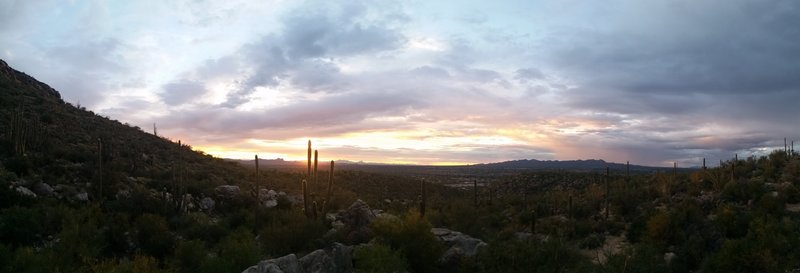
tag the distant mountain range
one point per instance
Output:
(513, 165)
(582, 165)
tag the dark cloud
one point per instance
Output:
(527, 74)
(330, 112)
(303, 52)
(733, 47)
(177, 93)
(430, 71)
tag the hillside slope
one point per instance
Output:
(45, 139)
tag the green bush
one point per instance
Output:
(290, 232)
(153, 235)
(189, 255)
(532, 255)
(240, 249)
(378, 258)
(411, 235)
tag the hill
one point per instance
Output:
(47, 140)
(576, 165)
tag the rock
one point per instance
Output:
(522, 236)
(207, 204)
(268, 198)
(25, 191)
(122, 194)
(82, 196)
(268, 268)
(342, 256)
(668, 257)
(227, 191)
(285, 264)
(43, 189)
(336, 259)
(460, 245)
(317, 261)
(355, 220)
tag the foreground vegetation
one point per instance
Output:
(118, 206)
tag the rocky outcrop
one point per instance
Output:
(22, 78)
(336, 259)
(459, 244)
(354, 222)
(207, 204)
(82, 196)
(269, 198)
(43, 189)
(25, 191)
(227, 191)
(317, 261)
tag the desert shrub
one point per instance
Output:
(27, 259)
(239, 249)
(742, 191)
(592, 241)
(732, 221)
(290, 232)
(411, 235)
(200, 226)
(153, 235)
(771, 245)
(20, 226)
(532, 255)
(639, 258)
(189, 255)
(378, 258)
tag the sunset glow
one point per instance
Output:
(431, 82)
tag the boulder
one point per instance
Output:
(459, 244)
(317, 261)
(82, 196)
(268, 198)
(336, 259)
(227, 191)
(43, 189)
(207, 204)
(285, 264)
(342, 256)
(355, 221)
(25, 191)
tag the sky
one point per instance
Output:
(428, 82)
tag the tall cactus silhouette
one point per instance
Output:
(424, 198)
(100, 169)
(607, 190)
(475, 192)
(304, 185)
(327, 203)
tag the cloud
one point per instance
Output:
(177, 93)
(621, 80)
(526, 74)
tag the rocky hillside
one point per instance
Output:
(46, 140)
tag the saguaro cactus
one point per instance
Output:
(100, 169)
(304, 185)
(424, 197)
(257, 184)
(316, 176)
(330, 190)
(607, 190)
(19, 133)
(475, 192)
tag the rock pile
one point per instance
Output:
(336, 259)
